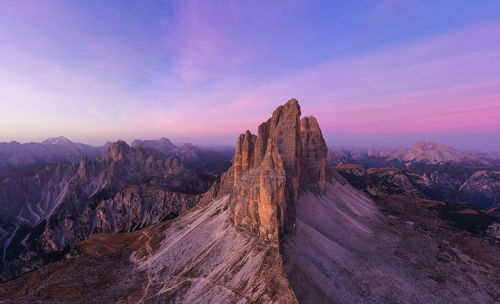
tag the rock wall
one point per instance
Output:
(288, 155)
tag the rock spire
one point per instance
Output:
(270, 169)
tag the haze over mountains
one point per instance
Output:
(51, 151)
(419, 154)
(279, 226)
(215, 158)
(55, 150)
(425, 169)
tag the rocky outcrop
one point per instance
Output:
(288, 155)
(138, 206)
(46, 212)
(314, 155)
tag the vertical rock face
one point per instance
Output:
(270, 168)
(314, 154)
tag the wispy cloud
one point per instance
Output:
(192, 69)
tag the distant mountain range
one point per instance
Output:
(419, 155)
(425, 169)
(55, 150)
(51, 151)
(213, 160)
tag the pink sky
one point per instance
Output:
(387, 73)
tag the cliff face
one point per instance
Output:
(46, 212)
(314, 154)
(288, 155)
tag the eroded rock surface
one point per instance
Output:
(45, 212)
(288, 155)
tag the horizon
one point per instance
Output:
(180, 143)
(204, 72)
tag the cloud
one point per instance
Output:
(407, 87)
(195, 69)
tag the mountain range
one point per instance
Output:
(280, 225)
(45, 211)
(420, 155)
(425, 170)
(51, 151)
(55, 150)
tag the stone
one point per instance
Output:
(271, 168)
(314, 155)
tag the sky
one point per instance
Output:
(374, 73)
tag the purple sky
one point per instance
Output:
(384, 73)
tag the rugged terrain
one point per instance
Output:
(422, 155)
(45, 212)
(425, 169)
(477, 186)
(212, 160)
(346, 248)
(281, 227)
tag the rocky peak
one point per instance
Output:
(271, 168)
(314, 154)
(434, 153)
(117, 151)
(163, 144)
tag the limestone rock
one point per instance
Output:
(314, 155)
(271, 168)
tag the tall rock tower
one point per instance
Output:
(270, 169)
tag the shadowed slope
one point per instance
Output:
(345, 250)
(199, 257)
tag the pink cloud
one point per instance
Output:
(447, 83)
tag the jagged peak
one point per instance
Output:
(291, 105)
(270, 168)
(162, 144)
(117, 150)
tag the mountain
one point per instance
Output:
(163, 145)
(432, 153)
(60, 140)
(280, 227)
(54, 150)
(425, 169)
(212, 160)
(420, 156)
(45, 211)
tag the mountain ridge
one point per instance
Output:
(60, 205)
